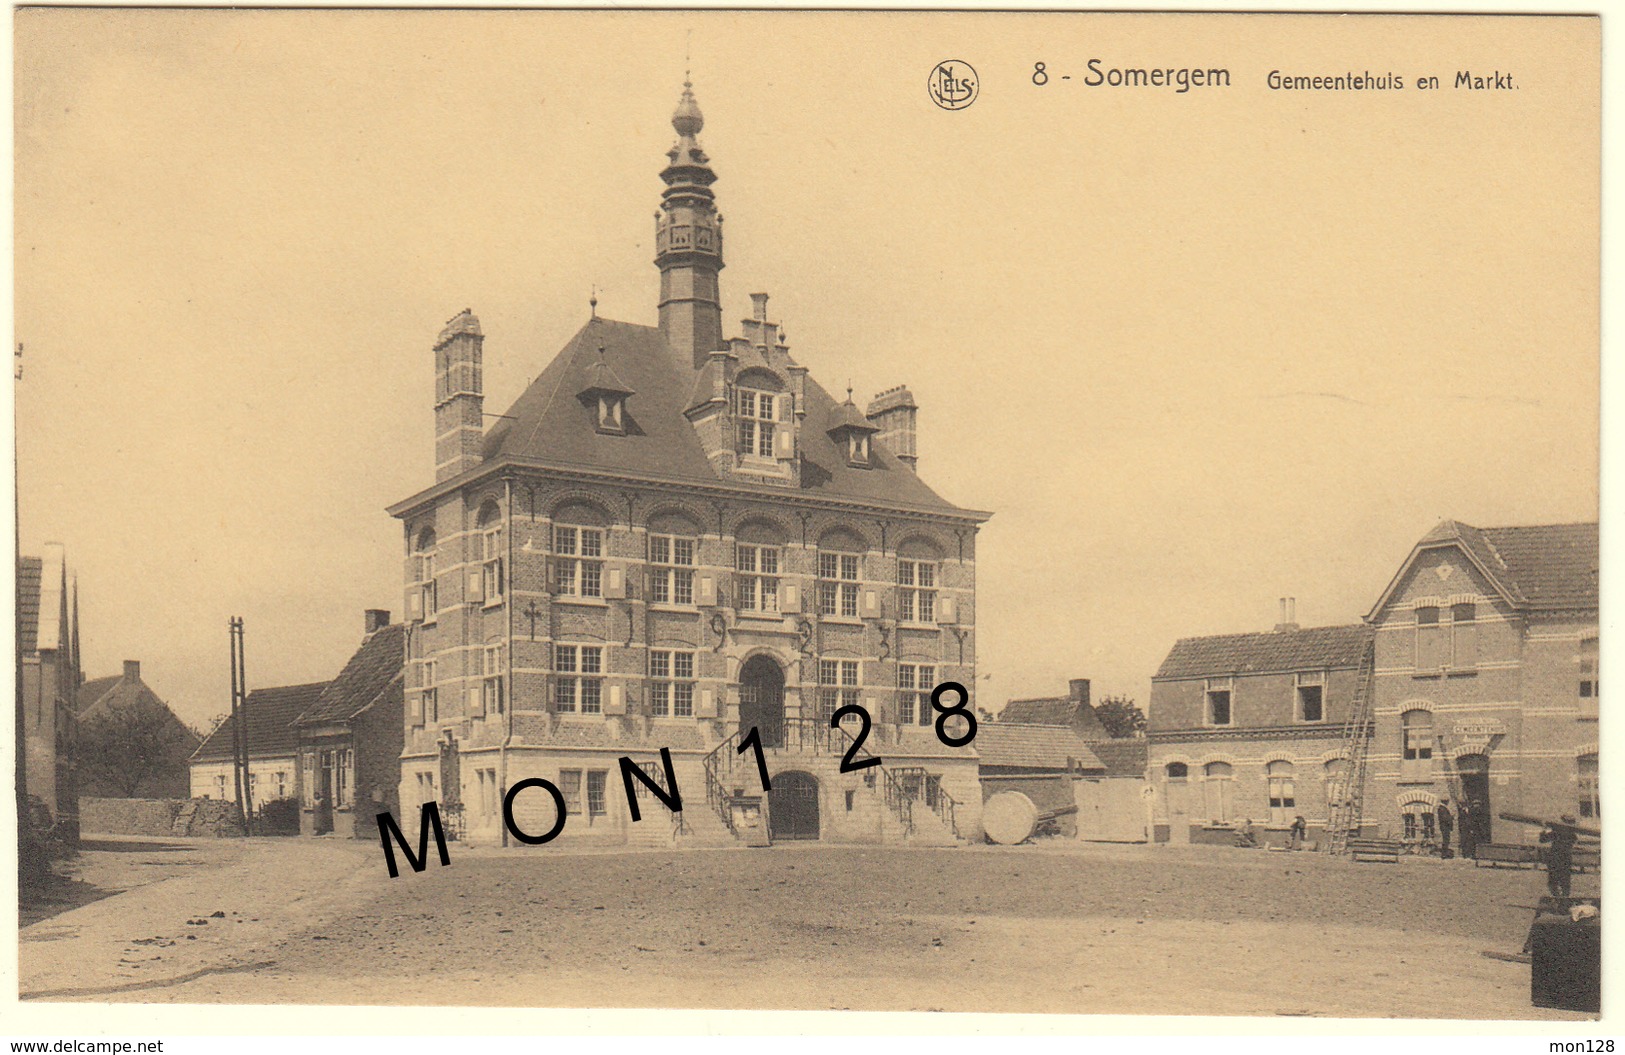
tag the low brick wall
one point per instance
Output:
(205, 817)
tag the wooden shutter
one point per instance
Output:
(615, 580)
(476, 584)
(615, 699)
(476, 701)
(947, 611)
(790, 597)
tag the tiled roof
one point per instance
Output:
(377, 663)
(1032, 746)
(548, 423)
(271, 714)
(1550, 565)
(1123, 757)
(93, 690)
(1317, 648)
(28, 584)
(1056, 710)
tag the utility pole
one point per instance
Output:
(239, 727)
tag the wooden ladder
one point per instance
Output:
(1343, 822)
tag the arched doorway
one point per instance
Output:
(1474, 771)
(792, 806)
(761, 699)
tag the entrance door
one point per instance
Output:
(1475, 788)
(324, 793)
(792, 806)
(1179, 808)
(761, 700)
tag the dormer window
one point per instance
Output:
(853, 433)
(605, 397)
(857, 448)
(757, 413)
(611, 413)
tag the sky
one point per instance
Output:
(1195, 352)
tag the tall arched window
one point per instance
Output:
(1590, 789)
(426, 587)
(1332, 774)
(1219, 790)
(491, 552)
(1282, 793)
(1418, 727)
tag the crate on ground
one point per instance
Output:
(1506, 855)
(1376, 849)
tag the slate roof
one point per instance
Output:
(1315, 648)
(550, 424)
(29, 571)
(1032, 746)
(376, 664)
(271, 714)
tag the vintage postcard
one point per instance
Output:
(804, 511)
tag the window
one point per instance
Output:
(596, 779)
(281, 784)
(578, 684)
(756, 417)
(671, 685)
(1590, 793)
(1218, 788)
(857, 447)
(1218, 701)
(611, 413)
(491, 679)
(578, 561)
(838, 584)
(1590, 678)
(1419, 822)
(1332, 774)
(220, 786)
(1311, 697)
(428, 588)
(1418, 726)
(570, 788)
(1429, 639)
(1463, 636)
(837, 686)
(428, 693)
(914, 685)
(917, 597)
(491, 562)
(759, 577)
(1178, 771)
(346, 778)
(1282, 793)
(425, 787)
(490, 794)
(671, 579)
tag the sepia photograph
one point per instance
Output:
(1064, 514)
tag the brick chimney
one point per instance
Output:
(375, 620)
(459, 400)
(132, 670)
(1078, 690)
(1289, 615)
(893, 413)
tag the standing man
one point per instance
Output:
(1467, 821)
(1559, 841)
(1447, 821)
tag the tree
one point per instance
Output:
(132, 746)
(1120, 716)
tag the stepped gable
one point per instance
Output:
(1276, 651)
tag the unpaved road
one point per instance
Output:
(1074, 928)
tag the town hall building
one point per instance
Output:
(672, 538)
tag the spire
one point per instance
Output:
(688, 242)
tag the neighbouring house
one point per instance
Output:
(670, 539)
(131, 745)
(1073, 710)
(1488, 679)
(273, 747)
(1249, 727)
(350, 739)
(48, 679)
(1044, 762)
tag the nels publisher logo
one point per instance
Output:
(952, 84)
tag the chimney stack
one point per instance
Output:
(1289, 615)
(459, 399)
(376, 619)
(1079, 690)
(893, 412)
(132, 670)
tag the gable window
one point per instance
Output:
(671, 575)
(1590, 789)
(1463, 636)
(758, 579)
(578, 683)
(914, 685)
(1218, 701)
(578, 561)
(1219, 789)
(1283, 796)
(1312, 697)
(491, 578)
(837, 686)
(671, 685)
(756, 418)
(917, 593)
(1590, 678)
(491, 679)
(838, 584)
(1429, 639)
(427, 587)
